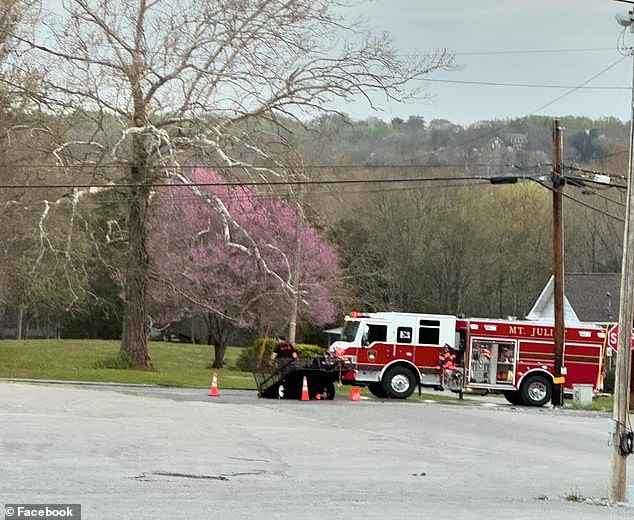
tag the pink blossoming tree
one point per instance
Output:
(198, 272)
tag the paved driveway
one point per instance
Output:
(127, 453)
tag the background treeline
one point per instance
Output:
(449, 242)
(421, 228)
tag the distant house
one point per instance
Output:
(496, 144)
(519, 141)
(588, 297)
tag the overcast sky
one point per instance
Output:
(551, 43)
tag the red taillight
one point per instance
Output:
(349, 375)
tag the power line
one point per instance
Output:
(574, 89)
(523, 85)
(246, 183)
(474, 181)
(558, 98)
(574, 199)
(593, 208)
(92, 167)
(318, 182)
(30, 206)
(534, 51)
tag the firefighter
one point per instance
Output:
(446, 358)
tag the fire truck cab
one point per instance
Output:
(394, 352)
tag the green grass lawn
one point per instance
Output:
(601, 403)
(175, 364)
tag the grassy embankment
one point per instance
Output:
(175, 364)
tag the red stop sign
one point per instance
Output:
(613, 338)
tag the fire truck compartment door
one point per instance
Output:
(492, 362)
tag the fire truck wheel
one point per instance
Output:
(513, 397)
(376, 389)
(536, 391)
(399, 382)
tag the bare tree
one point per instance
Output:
(14, 18)
(183, 80)
(16, 85)
(10, 15)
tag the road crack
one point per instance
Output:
(146, 476)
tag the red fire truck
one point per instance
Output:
(392, 353)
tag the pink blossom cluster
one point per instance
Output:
(228, 250)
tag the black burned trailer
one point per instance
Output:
(284, 378)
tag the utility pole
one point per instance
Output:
(620, 448)
(558, 264)
(631, 371)
(618, 489)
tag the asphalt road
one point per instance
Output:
(159, 453)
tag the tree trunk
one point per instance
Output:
(218, 334)
(295, 277)
(134, 339)
(219, 355)
(20, 326)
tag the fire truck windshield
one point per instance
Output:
(349, 332)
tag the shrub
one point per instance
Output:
(307, 350)
(262, 349)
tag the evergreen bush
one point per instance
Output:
(262, 349)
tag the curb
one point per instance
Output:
(79, 383)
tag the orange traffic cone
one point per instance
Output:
(355, 393)
(213, 391)
(305, 390)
